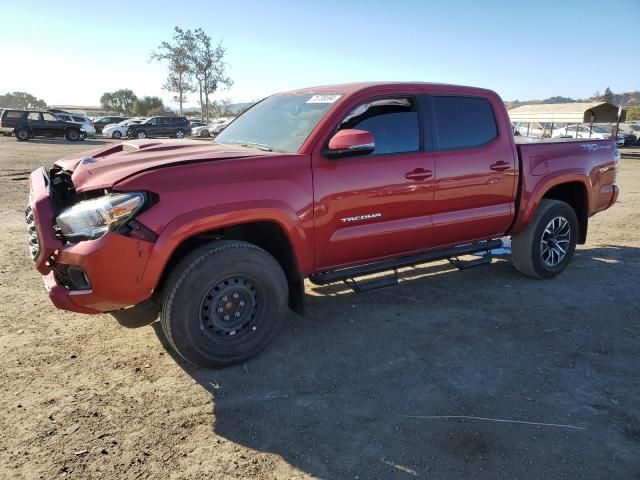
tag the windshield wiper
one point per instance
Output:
(259, 146)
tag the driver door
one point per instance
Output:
(376, 205)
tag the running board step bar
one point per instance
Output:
(350, 273)
(465, 264)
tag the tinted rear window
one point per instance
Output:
(464, 122)
(14, 114)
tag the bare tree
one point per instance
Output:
(177, 53)
(208, 68)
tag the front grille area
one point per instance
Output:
(32, 233)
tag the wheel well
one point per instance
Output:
(267, 235)
(574, 194)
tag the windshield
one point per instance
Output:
(280, 123)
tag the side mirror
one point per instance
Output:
(350, 142)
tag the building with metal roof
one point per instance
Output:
(578, 112)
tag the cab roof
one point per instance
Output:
(353, 88)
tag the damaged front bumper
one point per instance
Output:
(92, 276)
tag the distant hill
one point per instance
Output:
(235, 108)
(627, 99)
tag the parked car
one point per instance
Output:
(27, 124)
(119, 130)
(176, 127)
(630, 130)
(596, 132)
(220, 124)
(334, 183)
(102, 122)
(201, 131)
(86, 124)
(535, 129)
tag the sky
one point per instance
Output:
(72, 52)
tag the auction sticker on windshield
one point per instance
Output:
(323, 99)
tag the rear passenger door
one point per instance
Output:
(52, 124)
(475, 165)
(167, 126)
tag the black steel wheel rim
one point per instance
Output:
(230, 309)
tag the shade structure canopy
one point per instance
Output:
(567, 113)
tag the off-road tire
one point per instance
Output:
(527, 246)
(192, 326)
(22, 134)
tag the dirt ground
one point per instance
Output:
(345, 391)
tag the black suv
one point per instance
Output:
(102, 122)
(26, 124)
(175, 127)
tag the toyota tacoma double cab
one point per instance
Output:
(28, 124)
(334, 183)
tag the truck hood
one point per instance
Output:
(106, 166)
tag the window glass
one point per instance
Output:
(49, 117)
(34, 116)
(393, 122)
(79, 119)
(14, 114)
(281, 122)
(167, 121)
(464, 122)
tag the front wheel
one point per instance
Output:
(224, 303)
(141, 134)
(546, 246)
(117, 134)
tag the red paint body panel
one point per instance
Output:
(335, 212)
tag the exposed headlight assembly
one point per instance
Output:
(92, 218)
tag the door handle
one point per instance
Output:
(500, 166)
(418, 174)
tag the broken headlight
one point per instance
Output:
(92, 218)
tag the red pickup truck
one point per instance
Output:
(333, 183)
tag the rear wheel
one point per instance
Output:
(116, 134)
(72, 135)
(546, 246)
(22, 134)
(204, 133)
(141, 134)
(224, 303)
(179, 133)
